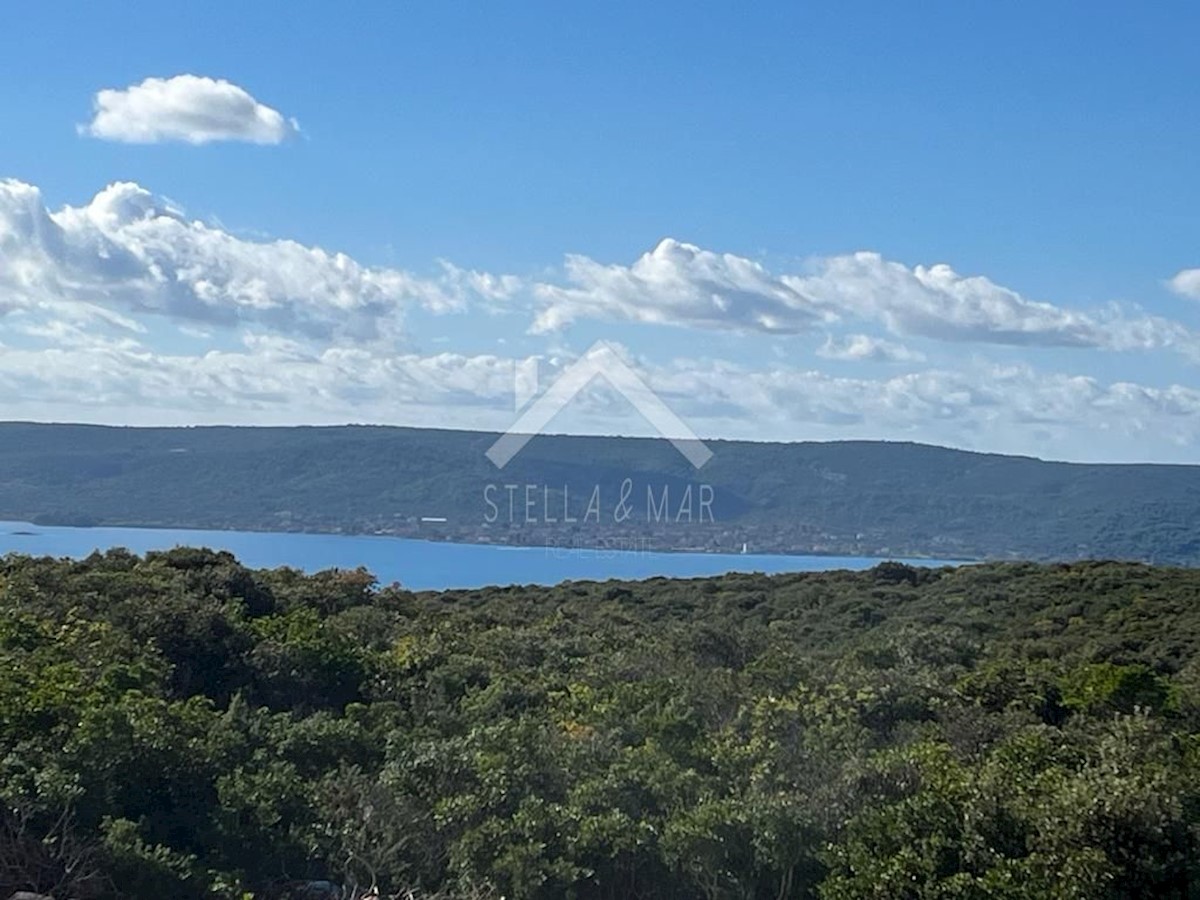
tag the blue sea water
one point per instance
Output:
(418, 565)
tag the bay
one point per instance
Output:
(416, 564)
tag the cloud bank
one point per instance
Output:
(125, 310)
(683, 285)
(1013, 409)
(129, 254)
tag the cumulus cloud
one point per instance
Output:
(937, 302)
(677, 284)
(681, 284)
(864, 348)
(187, 108)
(123, 309)
(1186, 284)
(129, 254)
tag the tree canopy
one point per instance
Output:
(178, 725)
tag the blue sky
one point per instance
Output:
(1048, 149)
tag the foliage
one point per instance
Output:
(178, 725)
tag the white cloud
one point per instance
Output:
(1007, 409)
(1187, 284)
(936, 302)
(274, 380)
(681, 284)
(864, 348)
(677, 284)
(187, 108)
(125, 310)
(129, 254)
(270, 380)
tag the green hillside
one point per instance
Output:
(850, 497)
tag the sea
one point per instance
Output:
(417, 564)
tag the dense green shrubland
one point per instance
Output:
(177, 725)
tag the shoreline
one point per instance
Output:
(610, 544)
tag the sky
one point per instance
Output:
(962, 223)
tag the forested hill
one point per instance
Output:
(845, 497)
(178, 726)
